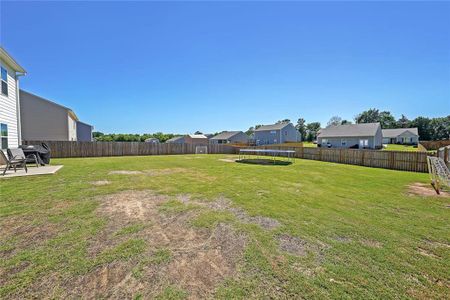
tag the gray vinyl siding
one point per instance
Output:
(84, 132)
(286, 134)
(374, 142)
(42, 120)
(237, 138)
(410, 139)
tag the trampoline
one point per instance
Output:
(285, 155)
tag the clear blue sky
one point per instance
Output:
(135, 67)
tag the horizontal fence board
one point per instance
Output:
(395, 160)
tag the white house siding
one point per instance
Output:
(72, 126)
(8, 109)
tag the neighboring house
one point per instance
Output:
(44, 120)
(276, 134)
(152, 140)
(195, 139)
(362, 136)
(176, 140)
(10, 131)
(84, 132)
(229, 137)
(401, 136)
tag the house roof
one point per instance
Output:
(151, 139)
(69, 110)
(349, 130)
(85, 124)
(10, 61)
(225, 135)
(174, 139)
(272, 127)
(392, 133)
(197, 136)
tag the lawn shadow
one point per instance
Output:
(264, 161)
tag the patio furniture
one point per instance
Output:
(17, 153)
(12, 163)
(41, 151)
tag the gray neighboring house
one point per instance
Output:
(176, 140)
(84, 132)
(276, 134)
(408, 136)
(44, 120)
(362, 136)
(229, 137)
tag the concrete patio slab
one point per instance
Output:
(44, 170)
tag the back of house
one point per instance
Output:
(276, 134)
(360, 136)
(408, 136)
(10, 132)
(230, 137)
(44, 120)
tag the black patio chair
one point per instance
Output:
(17, 153)
(12, 163)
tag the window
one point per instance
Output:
(324, 141)
(363, 143)
(343, 142)
(4, 135)
(4, 81)
(273, 132)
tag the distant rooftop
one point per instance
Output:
(272, 127)
(348, 130)
(225, 135)
(197, 136)
(392, 133)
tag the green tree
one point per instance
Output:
(334, 121)
(301, 127)
(403, 122)
(312, 131)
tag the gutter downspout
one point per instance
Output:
(19, 123)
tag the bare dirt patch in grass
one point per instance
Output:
(371, 243)
(225, 204)
(100, 182)
(196, 260)
(428, 253)
(125, 172)
(230, 160)
(292, 245)
(422, 189)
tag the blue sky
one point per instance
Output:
(135, 67)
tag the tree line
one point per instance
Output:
(430, 129)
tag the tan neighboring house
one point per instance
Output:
(44, 120)
(10, 131)
(195, 139)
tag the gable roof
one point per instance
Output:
(174, 139)
(197, 136)
(69, 110)
(348, 130)
(225, 135)
(392, 133)
(10, 61)
(272, 127)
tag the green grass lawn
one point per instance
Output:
(395, 147)
(339, 231)
(309, 144)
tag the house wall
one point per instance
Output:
(336, 142)
(238, 138)
(8, 108)
(178, 141)
(42, 120)
(72, 128)
(410, 139)
(287, 134)
(189, 140)
(84, 132)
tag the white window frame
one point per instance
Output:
(4, 80)
(343, 142)
(4, 136)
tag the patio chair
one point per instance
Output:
(17, 153)
(12, 163)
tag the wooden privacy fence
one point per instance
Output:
(396, 160)
(63, 149)
(435, 145)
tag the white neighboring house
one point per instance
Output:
(407, 136)
(10, 133)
